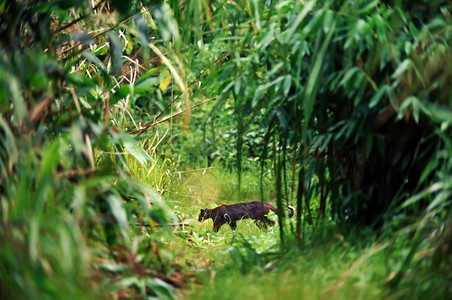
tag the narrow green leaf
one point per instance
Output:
(48, 167)
(275, 69)
(348, 76)
(101, 49)
(314, 79)
(237, 85)
(380, 24)
(377, 96)
(115, 53)
(327, 20)
(122, 93)
(283, 118)
(93, 59)
(149, 73)
(82, 37)
(416, 105)
(8, 142)
(66, 247)
(33, 240)
(369, 7)
(257, 18)
(266, 40)
(148, 84)
(361, 26)
(140, 155)
(20, 109)
(440, 112)
(440, 200)
(257, 95)
(431, 167)
(166, 24)
(287, 84)
(118, 211)
(306, 9)
(143, 30)
(402, 68)
(161, 288)
(438, 186)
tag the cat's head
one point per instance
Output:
(203, 215)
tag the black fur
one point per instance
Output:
(230, 214)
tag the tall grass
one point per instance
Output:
(334, 261)
(89, 212)
(322, 268)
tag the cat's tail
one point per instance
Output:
(292, 210)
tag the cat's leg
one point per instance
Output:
(217, 226)
(260, 223)
(233, 225)
(267, 221)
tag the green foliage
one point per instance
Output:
(341, 108)
(333, 88)
(324, 267)
(69, 204)
(351, 100)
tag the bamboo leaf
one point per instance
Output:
(440, 201)
(82, 37)
(140, 155)
(237, 85)
(118, 211)
(20, 109)
(143, 30)
(149, 84)
(314, 79)
(48, 167)
(116, 53)
(287, 84)
(440, 112)
(96, 61)
(377, 96)
(266, 40)
(161, 288)
(402, 68)
(328, 21)
(300, 17)
(8, 141)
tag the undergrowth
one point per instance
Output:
(346, 104)
(333, 261)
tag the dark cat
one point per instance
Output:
(230, 214)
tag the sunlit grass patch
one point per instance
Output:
(320, 271)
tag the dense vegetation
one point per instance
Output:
(121, 119)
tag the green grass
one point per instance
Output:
(333, 262)
(248, 263)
